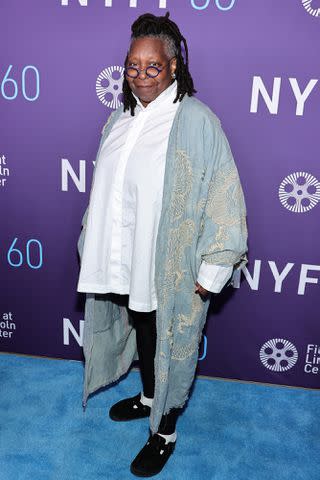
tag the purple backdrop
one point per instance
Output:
(256, 65)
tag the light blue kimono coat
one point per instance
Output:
(203, 217)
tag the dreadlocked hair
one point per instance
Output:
(162, 27)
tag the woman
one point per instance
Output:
(164, 228)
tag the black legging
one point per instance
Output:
(146, 332)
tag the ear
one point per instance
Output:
(173, 65)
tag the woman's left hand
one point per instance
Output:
(201, 290)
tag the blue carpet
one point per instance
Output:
(230, 430)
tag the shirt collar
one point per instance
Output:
(168, 94)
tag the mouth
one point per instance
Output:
(144, 86)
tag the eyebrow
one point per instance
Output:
(152, 60)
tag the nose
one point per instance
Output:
(142, 75)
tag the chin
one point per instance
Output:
(146, 93)
(148, 99)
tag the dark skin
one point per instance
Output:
(147, 51)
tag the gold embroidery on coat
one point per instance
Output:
(188, 320)
(224, 198)
(182, 184)
(181, 352)
(201, 204)
(180, 238)
(163, 377)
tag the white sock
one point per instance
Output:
(145, 400)
(169, 438)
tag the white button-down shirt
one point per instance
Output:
(125, 206)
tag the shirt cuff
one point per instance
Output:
(213, 277)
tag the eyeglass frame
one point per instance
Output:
(145, 69)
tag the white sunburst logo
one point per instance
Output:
(299, 192)
(278, 355)
(308, 5)
(109, 86)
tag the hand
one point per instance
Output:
(201, 290)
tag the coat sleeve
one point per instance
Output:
(223, 231)
(82, 233)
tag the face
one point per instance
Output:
(147, 51)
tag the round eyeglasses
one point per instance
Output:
(134, 72)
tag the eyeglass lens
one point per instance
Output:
(134, 72)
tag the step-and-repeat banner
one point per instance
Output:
(256, 64)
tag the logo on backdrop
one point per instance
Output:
(278, 355)
(304, 274)
(7, 325)
(272, 96)
(109, 3)
(109, 86)
(308, 5)
(69, 328)
(299, 192)
(4, 170)
(223, 5)
(312, 361)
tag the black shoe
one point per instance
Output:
(153, 457)
(129, 409)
